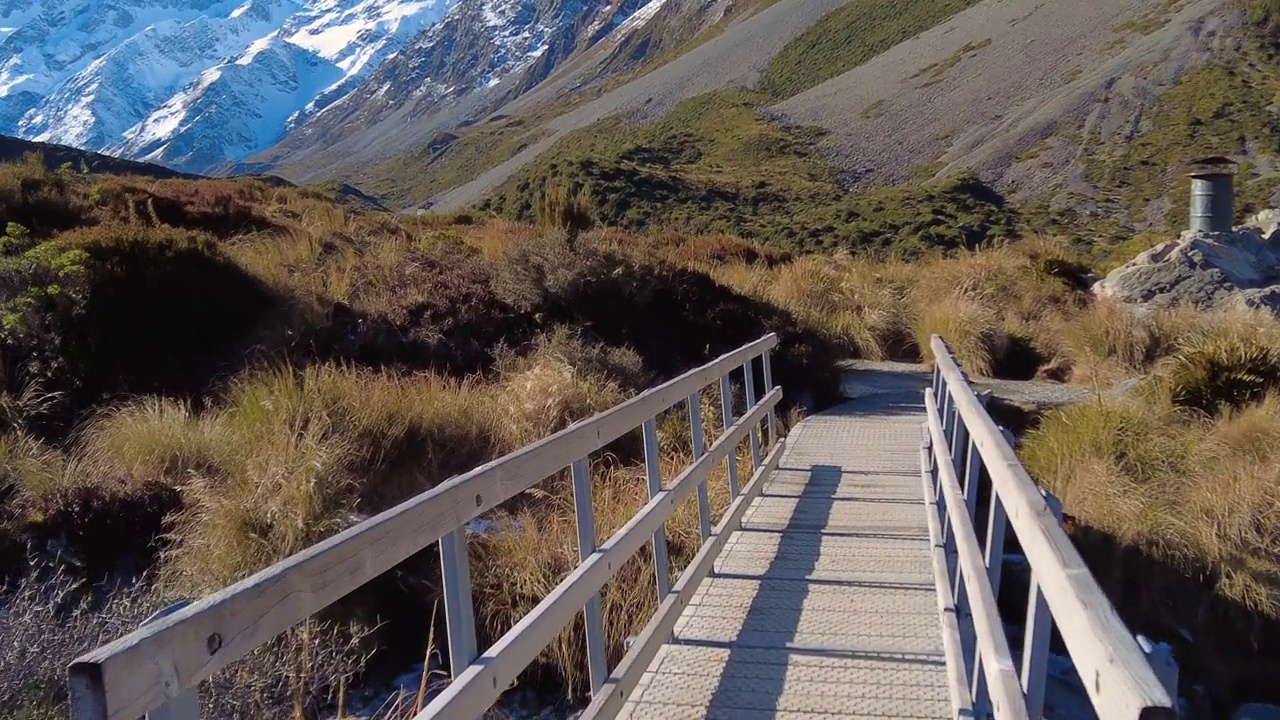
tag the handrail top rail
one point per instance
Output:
(141, 670)
(1116, 674)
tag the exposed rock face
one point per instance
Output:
(1205, 270)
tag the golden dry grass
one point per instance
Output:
(1197, 493)
(285, 455)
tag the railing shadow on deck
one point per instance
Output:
(773, 617)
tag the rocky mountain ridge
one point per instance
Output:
(202, 85)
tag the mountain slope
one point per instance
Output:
(983, 89)
(188, 83)
(734, 58)
(986, 90)
(480, 55)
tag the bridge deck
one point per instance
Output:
(823, 604)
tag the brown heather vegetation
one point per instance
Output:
(203, 377)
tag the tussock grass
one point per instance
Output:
(382, 355)
(1186, 466)
(292, 457)
(1197, 493)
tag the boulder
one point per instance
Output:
(1205, 270)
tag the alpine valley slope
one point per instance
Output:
(975, 92)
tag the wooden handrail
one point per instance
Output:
(623, 681)
(142, 670)
(475, 690)
(997, 661)
(952, 648)
(1115, 672)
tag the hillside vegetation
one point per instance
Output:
(717, 164)
(849, 36)
(203, 377)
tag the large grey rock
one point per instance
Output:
(1205, 270)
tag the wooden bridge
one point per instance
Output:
(853, 575)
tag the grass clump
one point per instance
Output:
(848, 37)
(1196, 493)
(1211, 373)
(291, 457)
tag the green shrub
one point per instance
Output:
(1209, 374)
(717, 164)
(442, 242)
(113, 309)
(39, 200)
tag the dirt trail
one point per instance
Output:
(732, 59)
(995, 80)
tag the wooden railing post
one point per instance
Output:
(699, 449)
(749, 381)
(768, 386)
(459, 616)
(186, 705)
(726, 413)
(661, 566)
(584, 514)
(996, 524)
(994, 553)
(1036, 634)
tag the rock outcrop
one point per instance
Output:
(1208, 271)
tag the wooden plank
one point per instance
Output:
(138, 672)
(1003, 687)
(626, 676)
(961, 701)
(475, 691)
(1120, 682)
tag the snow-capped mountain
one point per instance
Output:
(192, 84)
(481, 54)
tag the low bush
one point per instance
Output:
(717, 164)
(124, 309)
(38, 200)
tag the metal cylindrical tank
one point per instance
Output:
(1212, 202)
(1212, 194)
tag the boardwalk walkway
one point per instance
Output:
(854, 574)
(823, 604)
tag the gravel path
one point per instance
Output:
(732, 59)
(864, 377)
(995, 80)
